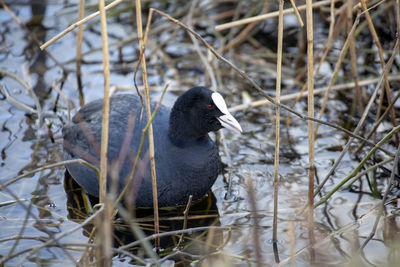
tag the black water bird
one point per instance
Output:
(186, 159)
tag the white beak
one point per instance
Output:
(229, 122)
(226, 120)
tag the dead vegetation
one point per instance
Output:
(259, 55)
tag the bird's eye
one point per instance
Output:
(209, 107)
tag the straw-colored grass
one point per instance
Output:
(277, 120)
(148, 111)
(104, 239)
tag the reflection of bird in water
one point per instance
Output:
(203, 212)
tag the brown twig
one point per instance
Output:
(79, 38)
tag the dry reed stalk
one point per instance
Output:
(332, 21)
(353, 56)
(326, 48)
(382, 61)
(242, 36)
(79, 37)
(266, 16)
(233, 31)
(148, 112)
(397, 17)
(310, 104)
(296, 11)
(76, 24)
(104, 239)
(277, 121)
(379, 12)
(222, 15)
(343, 53)
(245, 33)
(195, 42)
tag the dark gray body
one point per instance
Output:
(188, 169)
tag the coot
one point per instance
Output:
(187, 160)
